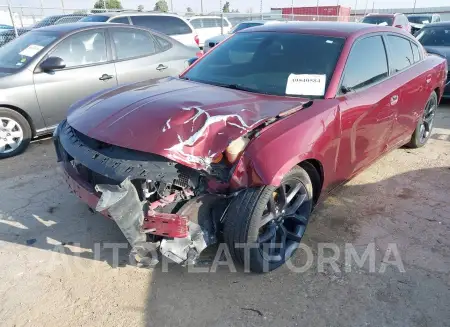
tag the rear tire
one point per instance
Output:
(269, 216)
(15, 133)
(425, 124)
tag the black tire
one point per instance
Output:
(244, 223)
(425, 124)
(25, 127)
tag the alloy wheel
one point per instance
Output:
(427, 120)
(284, 221)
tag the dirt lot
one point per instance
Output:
(50, 275)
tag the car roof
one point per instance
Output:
(134, 13)
(70, 27)
(383, 15)
(419, 15)
(196, 17)
(336, 29)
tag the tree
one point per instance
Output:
(189, 9)
(161, 5)
(80, 12)
(226, 7)
(140, 8)
(110, 4)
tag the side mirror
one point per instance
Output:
(192, 60)
(52, 63)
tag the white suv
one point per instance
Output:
(172, 25)
(209, 26)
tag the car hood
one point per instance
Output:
(441, 51)
(185, 121)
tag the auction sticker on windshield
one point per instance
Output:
(306, 84)
(31, 50)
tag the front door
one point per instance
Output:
(87, 71)
(367, 107)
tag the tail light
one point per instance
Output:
(197, 40)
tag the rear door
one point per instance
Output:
(140, 55)
(88, 70)
(409, 82)
(366, 106)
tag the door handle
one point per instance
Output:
(105, 77)
(394, 100)
(161, 67)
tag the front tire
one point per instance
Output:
(270, 219)
(15, 133)
(425, 124)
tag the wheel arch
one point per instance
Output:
(314, 168)
(24, 114)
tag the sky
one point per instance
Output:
(242, 5)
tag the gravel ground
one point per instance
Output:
(52, 276)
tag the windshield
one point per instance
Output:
(419, 19)
(19, 52)
(243, 26)
(271, 63)
(378, 20)
(434, 36)
(95, 19)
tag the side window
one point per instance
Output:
(401, 52)
(132, 43)
(438, 19)
(169, 25)
(84, 48)
(357, 73)
(120, 20)
(209, 22)
(197, 23)
(163, 43)
(416, 52)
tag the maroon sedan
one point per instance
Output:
(243, 144)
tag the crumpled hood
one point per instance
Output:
(185, 121)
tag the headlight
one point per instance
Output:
(235, 148)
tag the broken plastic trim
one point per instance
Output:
(123, 205)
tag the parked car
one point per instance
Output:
(173, 25)
(46, 70)
(59, 19)
(436, 40)
(245, 142)
(212, 42)
(7, 35)
(209, 26)
(418, 21)
(5, 27)
(396, 20)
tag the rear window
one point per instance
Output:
(438, 36)
(420, 19)
(168, 25)
(95, 19)
(379, 20)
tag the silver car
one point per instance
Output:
(46, 70)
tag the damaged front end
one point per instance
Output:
(157, 203)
